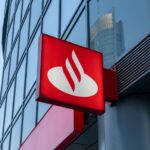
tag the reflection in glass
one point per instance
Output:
(17, 20)
(29, 117)
(24, 36)
(106, 35)
(9, 106)
(32, 62)
(50, 21)
(45, 1)
(78, 34)
(42, 109)
(25, 5)
(13, 60)
(19, 87)
(116, 26)
(12, 9)
(6, 143)
(15, 137)
(35, 13)
(68, 9)
(9, 41)
(5, 79)
(2, 109)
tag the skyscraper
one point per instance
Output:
(89, 23)
(107, 36)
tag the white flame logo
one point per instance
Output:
(72, 79)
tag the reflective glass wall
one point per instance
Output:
(117, 26)
(27, 19)
(19, 112)
(109, 26)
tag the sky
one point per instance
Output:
(2, 5)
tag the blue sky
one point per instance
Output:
(2, 5)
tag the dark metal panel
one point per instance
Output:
(133, 69)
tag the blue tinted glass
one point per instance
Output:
(9, 41)
(15, 137)
(25, 5)
(50, 21)
(6, 143)
(17, 20)
(5, 79)
(2, 109)
(13, 60)
(45, 2)
(29, 117)
(24, 36)
(117, 26)
(80, 27)
(19, 87)
(68, 9)
(12, 9)
(9, 106)
(42, 109)
(32, 62)
(35, 13)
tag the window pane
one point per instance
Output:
(12, 9)
(15, 137)
(116, 26)
(68, 9)
(9, 106)
(80, 27)
(19, 87)
(25, 5)
(9, 41)
(6, 143)
(45, 1)
(42, 109)
(2, 109)
(17, 1)
(17, 19)
(32, 62)
(29, 117)
(35, 13)
(50, 22)
(13, 60)
(24, 36)
(5, 79)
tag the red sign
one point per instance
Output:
(70, 75)
(57, 129)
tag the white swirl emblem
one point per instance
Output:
(72, 79)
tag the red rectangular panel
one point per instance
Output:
(70, 75)
(56, 129)
(110, 85)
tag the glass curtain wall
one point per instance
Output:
(109, 26)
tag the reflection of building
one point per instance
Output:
(107, 36)
(125, 125)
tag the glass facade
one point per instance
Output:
(117, 26)
(15, 134)
(110, 26)
(52, 13)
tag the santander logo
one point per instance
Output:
(71, 78)
(70, 75)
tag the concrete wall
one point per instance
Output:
(126, 125)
